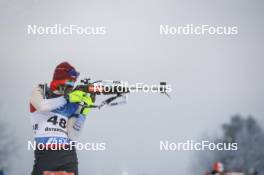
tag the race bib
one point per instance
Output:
(49, 125)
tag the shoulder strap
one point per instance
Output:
(47, 93)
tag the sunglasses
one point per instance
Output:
(70, 82)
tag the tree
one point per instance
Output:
(7, 146)
(250, 155)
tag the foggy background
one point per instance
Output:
(213, 77)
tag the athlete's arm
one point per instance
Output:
(41, 104)
(75, 123)
(74, 126)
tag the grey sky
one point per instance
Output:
(213, 77)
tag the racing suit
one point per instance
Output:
(51, 115)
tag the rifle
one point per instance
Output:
(118, 89)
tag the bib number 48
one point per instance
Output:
(54, 120)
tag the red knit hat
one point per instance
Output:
(65, 71)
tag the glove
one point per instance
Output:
(80, 97)
(87, 100)
(75, 96)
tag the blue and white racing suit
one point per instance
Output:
(54, 120)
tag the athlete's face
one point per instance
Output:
(69, 84)
(64, 86)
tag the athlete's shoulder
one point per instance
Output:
(37, 95)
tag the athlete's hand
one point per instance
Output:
(76, 96)
(87, 100)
